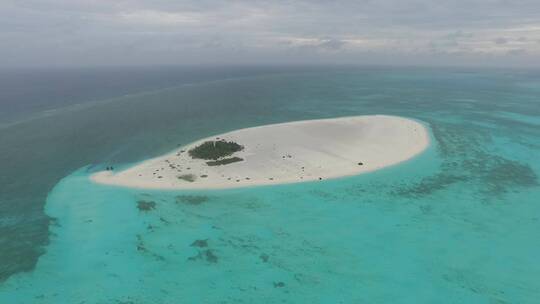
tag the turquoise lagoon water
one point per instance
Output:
(457, 224)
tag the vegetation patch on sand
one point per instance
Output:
(146, 205)
(213, 150)
(224, 161)
(187, 177)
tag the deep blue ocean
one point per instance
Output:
(457, 224)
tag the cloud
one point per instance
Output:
(331, 44)
(316, 44)
(151, 17)
(516, 52)
(501, 40)
(458, 35)
(66, 32)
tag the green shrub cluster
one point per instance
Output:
(213, 150)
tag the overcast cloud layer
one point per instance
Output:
(138, 32)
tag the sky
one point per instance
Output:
(219, 32)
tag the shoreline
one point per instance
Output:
(283, 153)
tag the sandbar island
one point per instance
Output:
(291, 152)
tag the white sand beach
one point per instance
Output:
(290, 152)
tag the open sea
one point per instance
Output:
(459, 223)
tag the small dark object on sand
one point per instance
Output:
(360, 163)
(187, 177)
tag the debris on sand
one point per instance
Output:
(187, 177)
